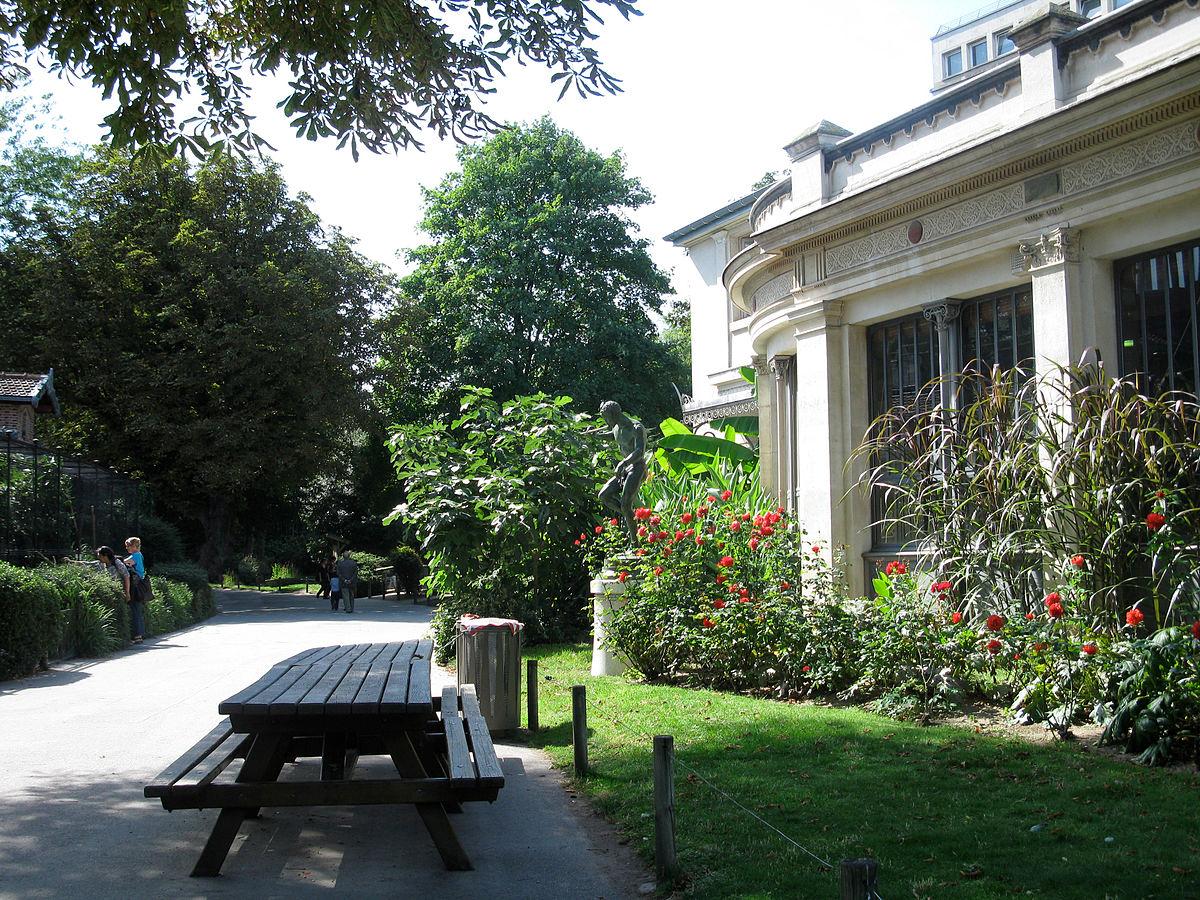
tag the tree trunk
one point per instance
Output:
(215, 549)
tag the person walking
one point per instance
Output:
(347, 573)
(324, 570)
(119, 573)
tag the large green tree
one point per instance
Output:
(368, 73)
(535, 281)
(206, 332)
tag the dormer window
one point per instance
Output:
(952, 63)
(1003, 43)
(978, 52)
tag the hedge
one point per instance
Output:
(72, 610)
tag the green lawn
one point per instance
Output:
(947, 812)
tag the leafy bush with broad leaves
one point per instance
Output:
(367, 564)
(496, 498)
(721, 586)
(251, 570)
(30, 621)
(95, 614)
(1155, 690)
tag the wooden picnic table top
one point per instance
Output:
(327, 688)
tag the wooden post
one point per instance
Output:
(858, 879)
(666, 863)
(531, 694)
(579, 728)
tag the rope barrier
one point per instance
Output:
(621, 727)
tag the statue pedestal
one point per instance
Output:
(606, 597)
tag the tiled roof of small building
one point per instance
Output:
(25, 387)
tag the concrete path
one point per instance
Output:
(79, 742)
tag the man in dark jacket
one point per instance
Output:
(347, 573)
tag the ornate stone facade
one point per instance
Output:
(1057, 246)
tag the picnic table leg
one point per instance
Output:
(435, 766)
(333, 756)
(437, 823)
(263, 763)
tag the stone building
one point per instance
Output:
(1044, 201)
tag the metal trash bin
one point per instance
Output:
(489, 657)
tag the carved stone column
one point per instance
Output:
(1052, 261)
(943, 315)
(767, 450)
(783, 368)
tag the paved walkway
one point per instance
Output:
(80, 741)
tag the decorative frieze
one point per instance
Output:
(1055, 247)
(772, 291)
(1129, 159)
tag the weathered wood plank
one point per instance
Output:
(285, 703)
(462, 771)
(395, 692)
(313, 703)
(371, 692)
(487, 765)
(327, 793)
(419, 692)
(433, 815)
(234, 703)
(233, 747)
(342, 698)
(193, 757)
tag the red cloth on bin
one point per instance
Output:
(470, 624)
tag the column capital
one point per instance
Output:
(1051, 248)
(781, 366)
(760, 365)
(943, 313)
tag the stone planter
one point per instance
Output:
(606, 597)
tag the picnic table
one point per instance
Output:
(339, 703)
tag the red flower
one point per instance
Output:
(640, 551)
(708, 623)
(1155, 521)
(779, 510)
(1029, 616)
(1090, 649)
(679, 535)
(895, 567)
(766, 531)
(753, 543)
(699, 541)
(743, 599)
(726, 495)
(815, 548)
(654, 520)
(599, 529)
(689, 532)
(726, 561)
(735, 525)
(1160, 494)
(621, 576)
(577, 542)
(806, 668)
(1055, 611)
(1039, 647)
(641, 513)
(666, 551)
(1196, 629)
(583, 535)
(1052, 598)
(711, 499)
(613, 522)
(1017, 656)
(745, 517)
(783, 585)
(658, 570)
(685, 518)
(995, 623)
(720, 604)
(732, 589)
(721, 578)
(1134, 617)
(1078, 561)
(745, 592)
(641, 531)
(702, 511)
(993, 646)
(956, 617)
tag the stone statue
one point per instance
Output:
(620, 494)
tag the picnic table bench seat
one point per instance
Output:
(337, 704)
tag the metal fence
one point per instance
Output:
(55, 506)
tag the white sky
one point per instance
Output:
(713, 90)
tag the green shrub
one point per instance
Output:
(161, 541)
(409, 569)
(95, 614)
(30, 621)
(195, 578)
(250, 569)
(496, 499)
(367, 564)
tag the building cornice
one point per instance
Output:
(975, 169)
